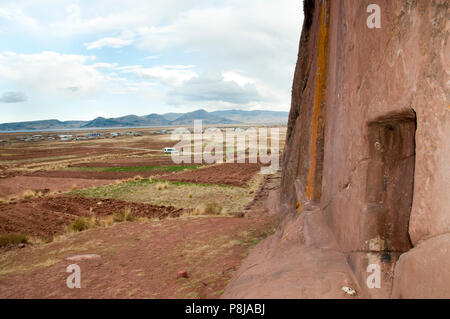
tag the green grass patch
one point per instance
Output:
(174, 168)
(13, 239)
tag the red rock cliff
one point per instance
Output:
(365, 175)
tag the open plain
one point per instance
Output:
(145, 218)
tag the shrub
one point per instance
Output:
(138, 178)
(161, 186)
(13, 239)
(28, 194)
(74, 187)
(125, 215)
(82, 223)
(2, 200)
(211, 208)
(109, 221)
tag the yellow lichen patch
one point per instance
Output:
(320, 93)
(299, 206)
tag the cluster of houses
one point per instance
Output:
(75, 137)
(97, 135)
(36, 137)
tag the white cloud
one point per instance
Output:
(104, 65)
(213, 88)
(125, 39)
(259, 39)
(171, 75)
(251, 47)
(237, 77)
(16, 15)
(152, 57)
(108, 42)
(13, 97)
(50, 71)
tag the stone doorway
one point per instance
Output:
(390, 182)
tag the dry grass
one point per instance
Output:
(125, 215)
(138, 178)
(210, 208)
(29, 194)
(2, 200)
(179, 194)
(82, 223)
(161, 186)
(13, 239)
(74, 187)
(107, 222)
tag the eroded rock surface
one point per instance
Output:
(367, 152)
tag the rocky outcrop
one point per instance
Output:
(366, 157)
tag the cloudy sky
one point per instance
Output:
(82, 59)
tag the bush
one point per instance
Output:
(109, 221)
(124, 216)
(82, 223)
(13, 239)
(28, 194)
(211, 208)
(138, 178)
(74, 187)
(161, 186)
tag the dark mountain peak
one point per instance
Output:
(200, 111)
(201, 114)
(152, 116)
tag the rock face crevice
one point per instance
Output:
(365, 167)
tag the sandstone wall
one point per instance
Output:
(368, 149)
(353, 147)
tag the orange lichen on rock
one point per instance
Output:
(320, 94)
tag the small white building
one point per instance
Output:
(65, 137)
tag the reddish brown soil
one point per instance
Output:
(31, 153)
(140, 260)
(46, 217)
(93, 175)
(18, 184)
(136, 161)
(223, 174)
(124, 162)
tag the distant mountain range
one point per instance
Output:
(168, 119)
